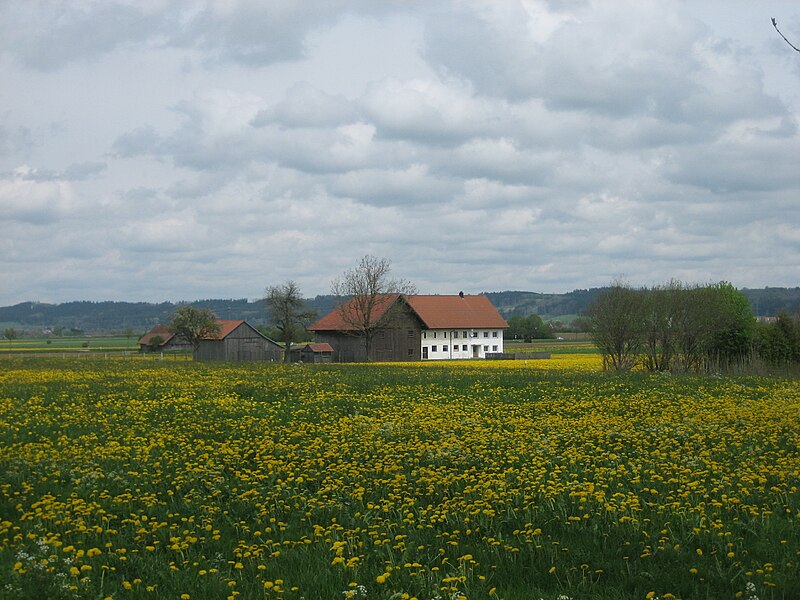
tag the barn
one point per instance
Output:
(238, 341)
(313, 353)
(161, 339)
(417, 327)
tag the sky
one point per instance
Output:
(163, 151)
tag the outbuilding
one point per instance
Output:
(239, 341)
(161, 339)
(315, 353)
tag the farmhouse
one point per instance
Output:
(161, 339)
(414, 327)
(238, 340)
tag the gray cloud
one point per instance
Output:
(74, 172)
(47, 35)
(15, 141)
(306, 106)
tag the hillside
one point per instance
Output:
(91, 317)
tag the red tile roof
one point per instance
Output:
(435, 312)
(334, 320)
(225, 328)
(456, 312)
(320, 347)
(159, 330)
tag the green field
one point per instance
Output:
(69, 344)
(498, 479)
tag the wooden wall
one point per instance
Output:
(242, 344)
(401, 341)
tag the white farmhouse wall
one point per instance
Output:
(447, 344)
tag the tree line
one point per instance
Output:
(684, 328)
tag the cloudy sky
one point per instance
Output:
(161, 150)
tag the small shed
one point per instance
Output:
(239, 341)
(316, 353)
(161, 339)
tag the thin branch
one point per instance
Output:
(775, 25)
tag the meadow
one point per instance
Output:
(498, 479)
(69, 345)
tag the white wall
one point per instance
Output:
(454, 340)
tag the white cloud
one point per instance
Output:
(412, 185)
(31, 201)
(306, 106)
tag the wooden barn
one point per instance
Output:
(313, 353)
(398, 339)
(239, 341)
(161, 339)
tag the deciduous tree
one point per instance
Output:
(194, 324)
(617, 326)
(364, 291)
(527, 328)
(287, 313)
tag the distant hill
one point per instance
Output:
(547, 306)
(95, 317)
(765, 302)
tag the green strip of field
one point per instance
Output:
(77, 344)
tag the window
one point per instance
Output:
(465, 334)
(424, 335)
(410, 334)
(434, 335)
(433, 348)
(486, 348)
(410, 353)
(485, 334)
(474, 334)
(455, 334)
(494, 348)
(464, 347)
(444, 348)
(494, 334)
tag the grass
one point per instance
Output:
(69, 344)
(553, 346)
(497, 479)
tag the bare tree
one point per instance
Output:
(366, 292)
(659, 310)
(287, 312)
(616, 326)
(775, 25)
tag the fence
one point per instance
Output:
(150, 356)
